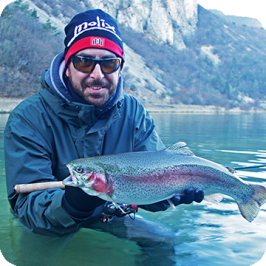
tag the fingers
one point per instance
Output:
(199, 195)
(189, 196)
(176, 200)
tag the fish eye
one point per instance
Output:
(79, 170)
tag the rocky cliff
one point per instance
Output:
(168, 21)
(176, 51)
(163, 21)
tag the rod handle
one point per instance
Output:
(28, 188)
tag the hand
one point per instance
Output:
(78, 203)
(188, 197)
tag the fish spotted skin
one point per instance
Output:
(142, 178)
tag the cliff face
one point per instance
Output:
(222, 64)
(168, 21)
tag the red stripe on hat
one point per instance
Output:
(94, 42)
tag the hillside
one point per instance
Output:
(251, 22)
(221, 63)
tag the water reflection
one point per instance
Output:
(202, 234)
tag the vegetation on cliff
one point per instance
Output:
(224, 64)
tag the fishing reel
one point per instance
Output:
(110, 210)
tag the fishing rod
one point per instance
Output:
(28, 188)
(246, 167)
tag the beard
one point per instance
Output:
(94, 92)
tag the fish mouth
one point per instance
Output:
(72, 180)
(77, 179)
(69, 182)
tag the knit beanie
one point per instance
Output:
(92, 29)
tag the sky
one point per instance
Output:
(242, 8)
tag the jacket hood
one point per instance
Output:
(54, 78)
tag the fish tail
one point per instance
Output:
(250, 209)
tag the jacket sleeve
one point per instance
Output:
(27, 160)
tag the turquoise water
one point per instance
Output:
(204, 234)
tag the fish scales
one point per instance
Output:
(147, 177)
(160, 172)
(146, 188)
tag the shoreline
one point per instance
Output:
(199, 109)
(7, 105)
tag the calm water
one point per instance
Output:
(204, 234)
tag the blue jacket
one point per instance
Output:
(49, 129)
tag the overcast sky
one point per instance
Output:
(243, 8)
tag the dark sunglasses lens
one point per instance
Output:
(83, 64)
(110, 65)
(86, 65)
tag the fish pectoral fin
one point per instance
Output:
(116, 205)
(180, 148)
(214, 198)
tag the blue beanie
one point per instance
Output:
(92, 29)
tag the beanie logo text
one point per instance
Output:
(97, 41)
(99, 24)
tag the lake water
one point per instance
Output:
(204, 234)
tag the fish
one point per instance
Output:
(146, 177)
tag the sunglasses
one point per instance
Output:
(87, 65)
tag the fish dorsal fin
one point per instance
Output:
(231, 170)
(180, 147)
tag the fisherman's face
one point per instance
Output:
(96, 88)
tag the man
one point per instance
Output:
(81, 112)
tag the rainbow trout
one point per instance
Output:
(142, 178)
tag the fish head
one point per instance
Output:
(79, 176)
(92, 180)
